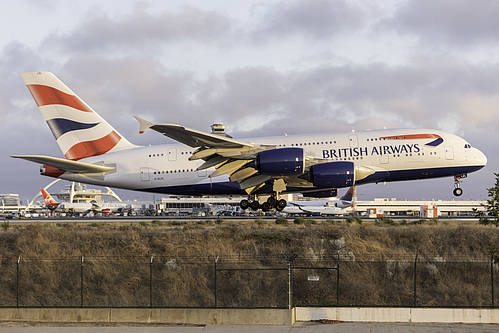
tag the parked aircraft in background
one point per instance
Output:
(67, 207)
(81, 207)
(211, 164)
(321, 207)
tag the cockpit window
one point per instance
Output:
(467, 145)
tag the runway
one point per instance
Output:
(166, 219)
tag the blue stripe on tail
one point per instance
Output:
(60, 126)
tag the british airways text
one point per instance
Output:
(365, 151)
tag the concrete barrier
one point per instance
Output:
(170, 316)
(393, 315)
(282, 317)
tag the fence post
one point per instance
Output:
(150, 281)
(81, 282)
(290, 259)
(215, 291)
(18, 278)
(492, 259)
(338, 281)
(415, 282)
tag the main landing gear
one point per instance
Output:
(272, 202)
(458, 191)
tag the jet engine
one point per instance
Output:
(333, 174)
(281, 162)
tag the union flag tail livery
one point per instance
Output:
(213, 164)
(49, 200)
(79, 130)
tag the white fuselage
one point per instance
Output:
(167, 168)
(313, 208)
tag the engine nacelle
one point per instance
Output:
(333, 174)
(281, 162)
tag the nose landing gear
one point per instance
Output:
(458, 191)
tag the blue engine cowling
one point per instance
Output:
(333, 174)
(281, 162)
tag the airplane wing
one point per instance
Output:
(66, 165)
(190, 137)
(302, 208)
(228, 156)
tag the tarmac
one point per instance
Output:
(302, 327)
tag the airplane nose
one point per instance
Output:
(479, 158)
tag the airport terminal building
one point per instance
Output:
(229, 206)
(375, 208)
(427, 209)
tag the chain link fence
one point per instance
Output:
(249, 282)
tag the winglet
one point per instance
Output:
(144, 124)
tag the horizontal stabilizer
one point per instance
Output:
(66, 165)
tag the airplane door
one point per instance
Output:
(383, 159)
(172, 154)
(144, 174)
(449, 153)
(354, 142)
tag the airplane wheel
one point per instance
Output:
(281, 204)
(244, 204)
(457, 192)
(265, 206)
(272, 201)
(255, 205)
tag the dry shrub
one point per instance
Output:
(376, 265)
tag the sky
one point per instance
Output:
(263, 68)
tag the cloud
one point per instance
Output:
(456, 23)
(258, 100)
(15, 57)
(316, 19)
(99, 31)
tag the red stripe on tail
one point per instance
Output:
(45, 95)
(93, 148)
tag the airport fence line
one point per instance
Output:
(283, 281)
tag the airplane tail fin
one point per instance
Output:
(48, 199)
(349, 195)
(79, 130)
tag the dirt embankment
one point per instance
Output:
(193, 240)
(377, 265)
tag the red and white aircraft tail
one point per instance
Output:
(79, 131)
(49, 200)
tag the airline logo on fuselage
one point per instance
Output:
(385, 149)
(366, 151)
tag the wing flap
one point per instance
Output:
(66, 165)
(242, 174)
(253, 181)
(214, 161)
(229, 167)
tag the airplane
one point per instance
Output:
(321, 207)
(211, 164)
(81, 207)
(66, 207)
